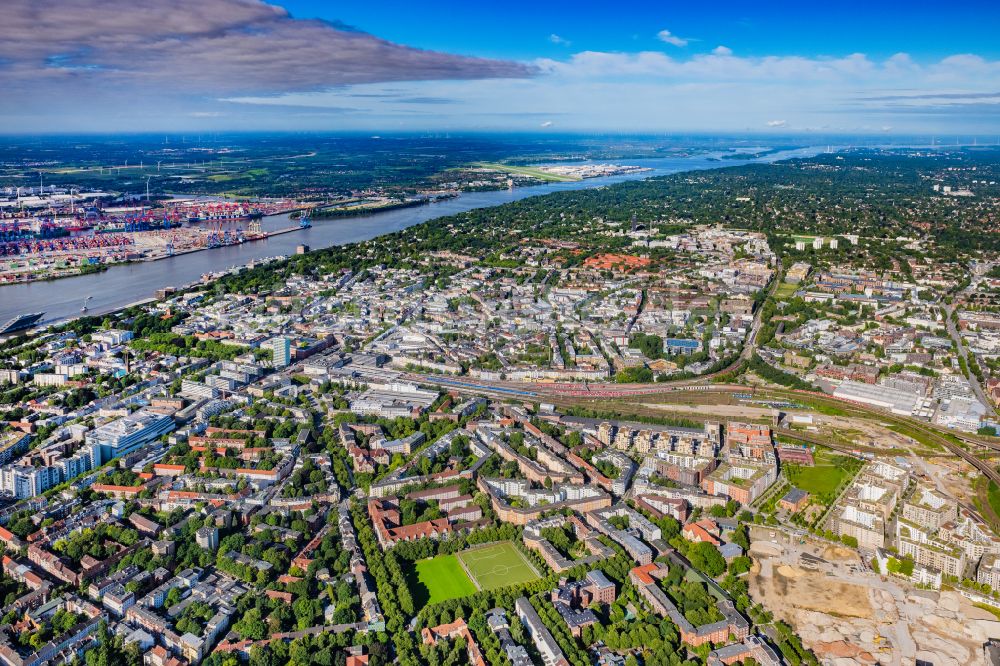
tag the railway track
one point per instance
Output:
(812, 439)
(930, 432)
(541, 391)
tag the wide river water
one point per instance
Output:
(125, 284)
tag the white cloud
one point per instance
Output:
(580, 91)
(146, 56)
(716, 67)
(652, 91)
(671, 38)
(247, 64)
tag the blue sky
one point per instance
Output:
(521, 30)
(775, 67)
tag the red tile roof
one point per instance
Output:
(643, 573)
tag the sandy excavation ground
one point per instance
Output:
(827, 596)
(848, 615)
(729, 411)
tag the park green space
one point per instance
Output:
(823, 479)
(486, 567)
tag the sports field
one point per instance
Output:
(440, 578)
(478, 568)
(497, 565)
(785, 290)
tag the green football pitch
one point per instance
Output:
(497, 565)
(482, 567)
(441, 578)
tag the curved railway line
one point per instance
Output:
(949, 441)
(556, 390)
(812, 439)
(541, 391)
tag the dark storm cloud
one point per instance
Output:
(79, 49)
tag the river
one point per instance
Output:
(126, 284)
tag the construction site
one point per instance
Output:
(843, 610)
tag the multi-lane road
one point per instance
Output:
(963, 352)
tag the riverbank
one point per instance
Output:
(85, 269)
(134, 246)
(352, 210)
(120, 285)
(147, 246)
(159, 245)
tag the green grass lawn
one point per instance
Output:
(692, 576)
(444, 577)
(822, 480)
(439, 579)
(498, 565)
(815, 480)
(917, 435)
(989, 609)
(785, 291)
(993, 494)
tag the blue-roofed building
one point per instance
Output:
(730, 550)
(681, 346)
